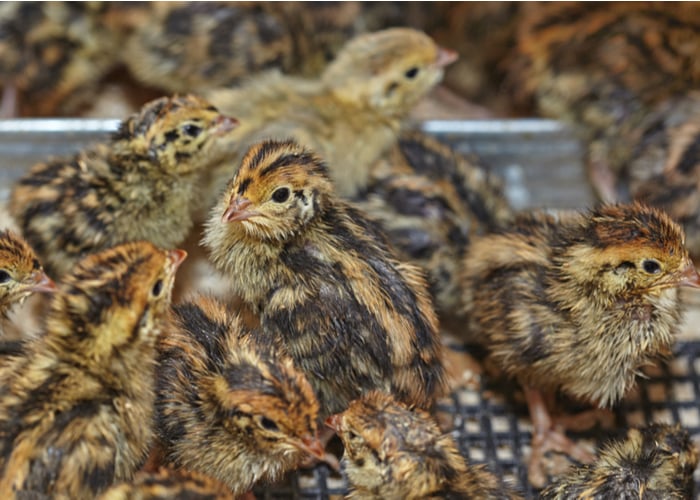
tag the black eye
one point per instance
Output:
(157, 288)
(651, 266)
(192, 130)
(268, 424)
(280, 195)
(4, 276)
(411, 73)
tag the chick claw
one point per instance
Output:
(546, 437)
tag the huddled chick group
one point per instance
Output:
(335, 320)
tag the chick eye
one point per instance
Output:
(192, 130)
(280, 195)
(412, 72)
(157, 288)
(268, 424)
(4, 276)
(651, 266)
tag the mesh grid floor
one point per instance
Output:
(492, 427)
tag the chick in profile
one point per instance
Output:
(351, 115)
(392, 451)
(653, 462)
(577, 304)
(169, 484)
(327, 287)
(20, 272)
(141, 185)
(227, 407)
(76, 405)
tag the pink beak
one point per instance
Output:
(238, 210)
(312, 446)
(176, 257)
(333, 422)
(445, 57)
(689, 277)
(225, 124)
(41, 283)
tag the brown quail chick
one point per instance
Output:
(76, 409)
(653, 463)
(142, 185)
(227, 407)
(167, 484)
(191, 46)
(53, 54)
(576, 304)
(430, 200)
(325, 283)
(392, 452)
(603, 68)
(20, 272)
(352, 114)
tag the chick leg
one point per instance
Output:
(547, 438)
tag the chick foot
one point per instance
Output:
(548, 437)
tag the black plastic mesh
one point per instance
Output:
(492, 427)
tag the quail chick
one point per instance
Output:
(76, 409)
(351, 115)
(142, 185)
(186, 46)
(20, 272)
(325, 283)
(430, 200)
(656, 462)
(603, 68)
(227, 407)
(54, 54)
(394, 452)
(166, 484)
(576, 304)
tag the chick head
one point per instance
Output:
(179, 135)
(278, 189)
(388, 71)
(20, 271)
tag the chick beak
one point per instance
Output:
(312, 446)
(445, 57)
(41, 283)
(176, 257)
(333, 422)
(689, 277)
(225, 124)
(238, 209)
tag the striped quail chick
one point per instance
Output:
(227, 407)
(352, 114)
(76, 409)
(325, 283)
(54, 54)
(168, 484)
(20, 272)
(576, 304)
(656, 462)
(192, 46)
(142, 185)
(430, 200)
(394, 452)
(605, 68)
